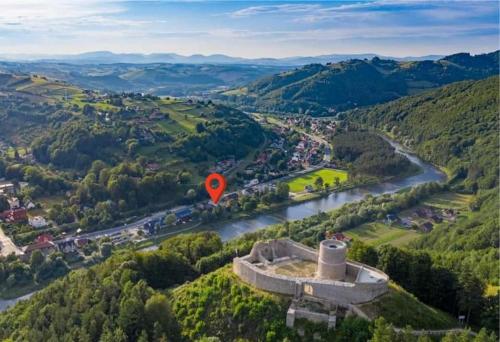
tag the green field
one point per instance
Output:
(449, 200)
(377, 233)
(298, 184)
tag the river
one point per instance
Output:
(429, 173)
(234, 229)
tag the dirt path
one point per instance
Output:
(7, 246)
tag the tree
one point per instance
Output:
(470, 292)
(318, 182)
(106, 249)
(36, 260)
(4, 203)
(383, 332)
(282, 190)
(170, 219)
(200, 127)
(483, 336)
(336, 181)
(358, 251)
(353, 329)
(157, 310)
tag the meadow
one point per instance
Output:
(298, 184)
(378, 233)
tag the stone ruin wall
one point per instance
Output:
(334, 291)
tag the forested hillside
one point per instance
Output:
(455, 126)
(101, 155)
(321, 89)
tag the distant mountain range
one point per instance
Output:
(319, 89)
(106, 57)
(156, 78)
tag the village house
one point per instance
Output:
(406, 222)
(67, 246)
(338, 236)
(14, 215)
(80, 243)
(152, 167)
(37, 222)
(426, 227)
(183, 215)
(43, 243)
(424, 212)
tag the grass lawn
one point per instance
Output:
(402, 308)
(377, 233)
(449, 200)
(492, 290)
(298, 184)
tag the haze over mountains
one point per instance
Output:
(156, 78)
(107, 57)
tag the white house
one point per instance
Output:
(38, 222)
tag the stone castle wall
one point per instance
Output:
(337, 292)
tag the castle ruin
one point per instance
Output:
(323, 277)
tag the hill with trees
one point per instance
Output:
(455, 126)
(318, 89)
(163, 296)
(102, 155)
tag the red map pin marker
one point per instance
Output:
(215, 193)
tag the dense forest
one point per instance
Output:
(324, 89)
(455, 126)
(368, 153)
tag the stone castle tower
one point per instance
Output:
(332, 260)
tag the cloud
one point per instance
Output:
(274, 9)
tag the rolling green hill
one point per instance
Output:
(402, 308)
(455, 126)
(320, 89)
(120, 153)
(154, 78)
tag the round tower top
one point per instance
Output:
(333, 244)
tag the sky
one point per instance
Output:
(249, 28)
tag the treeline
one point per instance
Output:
(107, 192)
(455, 126)
(369, 154)
(41, 183)
(458, 292)
(15, 273)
